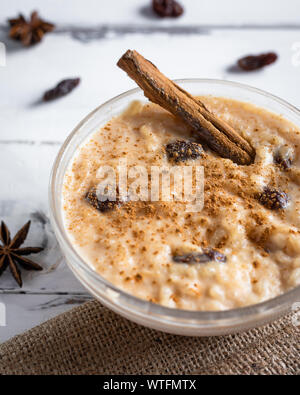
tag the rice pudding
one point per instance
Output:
(242, 248)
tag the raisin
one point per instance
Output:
(167, 8)
(208, 255)
(273, 199)
(102, 206)
(180, 151)
(255, 62)
(284, 157)
(61, 89)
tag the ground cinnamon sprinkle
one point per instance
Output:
(133, 245)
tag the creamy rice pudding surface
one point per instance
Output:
(242, 248)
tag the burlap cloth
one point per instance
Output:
(90, 339)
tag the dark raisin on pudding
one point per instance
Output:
(181, 151)
(208, 255)
(273, 199)
(284, 157)
(102, 206)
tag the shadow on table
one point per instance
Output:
(147, 12)
(10, 45)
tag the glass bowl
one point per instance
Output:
(182, 322)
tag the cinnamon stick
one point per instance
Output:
(216, 133)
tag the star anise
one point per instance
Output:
(29, 32)
(11, 253)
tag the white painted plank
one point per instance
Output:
(26, 311)
(202, 12)
(30, 72)
(24, 177)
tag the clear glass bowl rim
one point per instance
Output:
(277, 304)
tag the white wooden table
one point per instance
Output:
(90, 37)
